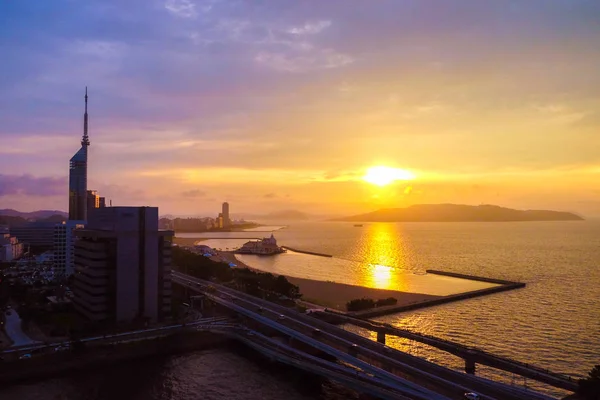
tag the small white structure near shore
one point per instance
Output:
(265, 246)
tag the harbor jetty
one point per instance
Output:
(312, 253)
(503, 286)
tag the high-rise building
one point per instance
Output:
(78, 175)
(225, 213)
(64, 247)
(123, 266)
(38, 234)
(101, 202)
(10, 248)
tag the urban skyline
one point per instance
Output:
(277, 106)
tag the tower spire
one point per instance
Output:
(85, 140)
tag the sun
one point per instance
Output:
(382, 176)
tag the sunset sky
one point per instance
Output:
(279, 104)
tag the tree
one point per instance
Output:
(589, 387)
(360, 304)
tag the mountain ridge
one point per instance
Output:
(39, 214)
(459, 213)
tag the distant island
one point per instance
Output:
(459, 213)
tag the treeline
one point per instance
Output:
(260, 284)
(367, 304)
(589, 387)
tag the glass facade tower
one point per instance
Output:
(78, 175)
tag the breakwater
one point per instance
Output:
(474, 278)
(502, 287)
(312, 253)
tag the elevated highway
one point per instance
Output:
(471, 355)
(375, 358)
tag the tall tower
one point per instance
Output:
(78, 174)
(225, 213)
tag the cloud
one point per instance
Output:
(299, 62)
(181, 8)
(32, 186)
(194, 193)
(251, 90)
(310, 28)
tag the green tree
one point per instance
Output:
(589, 387)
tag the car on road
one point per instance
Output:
(25, 356)
(62, 348)
(281, 316)
(472, 396)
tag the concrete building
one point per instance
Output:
(64, 246)
(78, 175)
(225, 214)
(10, 248)
(35, 234)
(123, 266)
(101, 202)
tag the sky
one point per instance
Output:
(277, 104)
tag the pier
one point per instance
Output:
(386, 310)
(312, 253)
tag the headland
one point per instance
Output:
(460, 213)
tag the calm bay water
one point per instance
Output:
(554, 322)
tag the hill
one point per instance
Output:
(16, 218)
(460, 213)
(40, 214)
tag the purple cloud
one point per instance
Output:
(32, 186)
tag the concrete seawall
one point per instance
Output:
(503, 286)
(312, 253)
(473, 278)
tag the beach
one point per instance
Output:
(336, 295)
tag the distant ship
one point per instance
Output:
(358, 225)
(263, 247)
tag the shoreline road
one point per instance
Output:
(12, 327)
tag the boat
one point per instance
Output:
(358, 225)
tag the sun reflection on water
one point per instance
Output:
(382, 275)
(384, 253)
